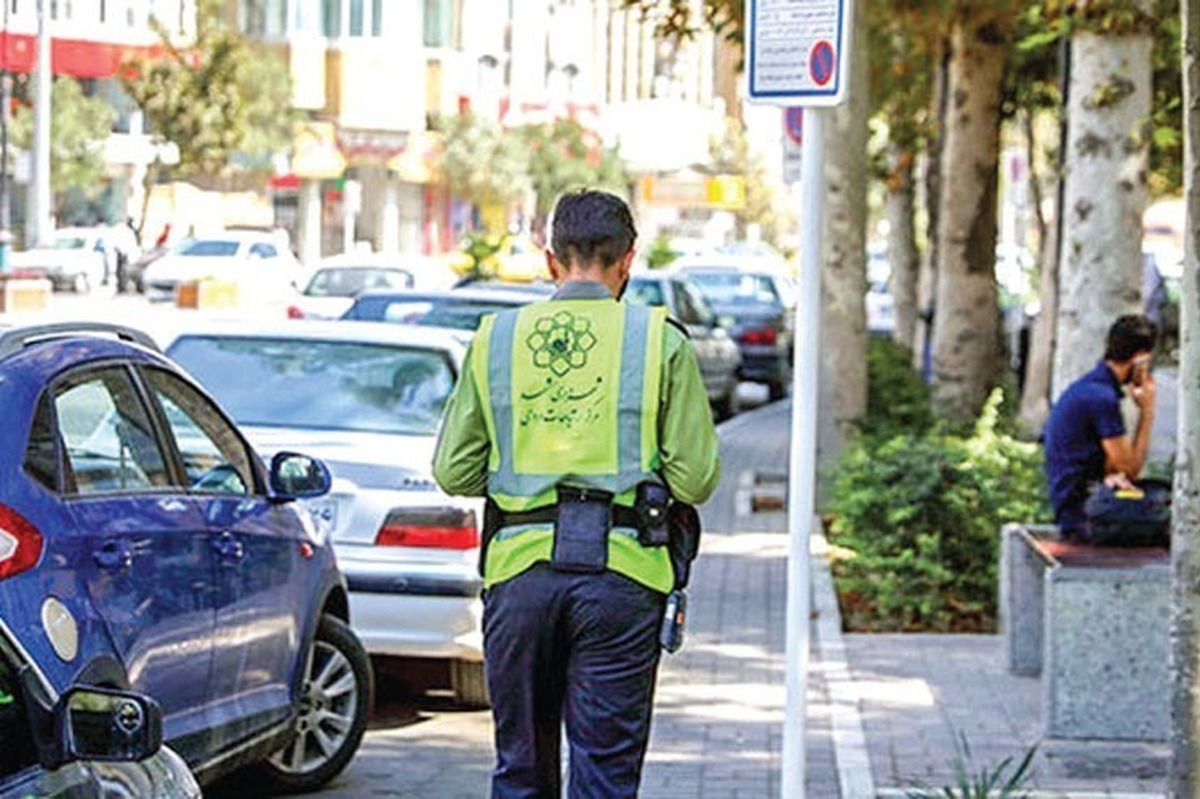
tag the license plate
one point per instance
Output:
(324, 513)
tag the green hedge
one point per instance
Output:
(916, 516)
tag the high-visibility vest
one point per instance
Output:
(570, 391)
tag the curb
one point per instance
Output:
(849, 740)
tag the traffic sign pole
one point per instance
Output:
(797, 52)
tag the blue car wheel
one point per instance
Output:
(336, 697)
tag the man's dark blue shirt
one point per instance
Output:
(1086, 413)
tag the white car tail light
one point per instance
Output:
(442, 528)
(20, 543)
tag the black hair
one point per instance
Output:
(591, 226)
(1129, 335)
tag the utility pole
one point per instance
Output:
(37, 222)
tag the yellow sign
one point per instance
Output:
(727, 192)
(316, 155)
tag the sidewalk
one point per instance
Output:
(884, 714)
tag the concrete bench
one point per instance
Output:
(1094, 622)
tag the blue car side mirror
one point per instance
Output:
(296, 476)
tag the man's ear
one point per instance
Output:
(557, 273)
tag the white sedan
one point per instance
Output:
(258, 262)
(367, 399)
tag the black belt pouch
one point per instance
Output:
(581, 524)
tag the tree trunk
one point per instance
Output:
(1035, 399)
(1100, 265)
(1035, 395)
(927, 274)
(843, 394)
(966, 332)
(900, 205)
(1184, 777)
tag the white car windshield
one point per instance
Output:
(210, 248)
(321, 385)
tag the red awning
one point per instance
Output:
(75, 57)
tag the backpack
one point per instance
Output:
(1140, 517)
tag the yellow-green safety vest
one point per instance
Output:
(570, 391)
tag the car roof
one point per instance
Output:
(723, 262)
(322, 330)
(465, 294)
(373, 260)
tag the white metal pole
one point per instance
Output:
(803, 463)
(37, 224)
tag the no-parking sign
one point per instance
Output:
(798, 50)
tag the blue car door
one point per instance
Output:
(257, 546)
(143, 543)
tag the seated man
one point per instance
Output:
(1086, 441)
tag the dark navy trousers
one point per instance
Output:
(580, 649)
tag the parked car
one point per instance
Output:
(145, 546)
(716, 353)
(258, 262)
(75, 259)
(333, 285)
(751, 305)
(880, 302)
(101, 742)
(456, 309)
(368, 398)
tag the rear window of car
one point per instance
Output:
(321, 385)
(733, 288)
(210, 248)
(350, 281)
(645, 292)
(455, 314)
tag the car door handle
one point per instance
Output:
(113, 555)
(228, 547)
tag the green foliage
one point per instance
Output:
(191, 94)
(898, 400)
(564, 155)
(731, 155)
(270, 120)
(660, 253)
(483, 250)
(916, 522)
(479, 161)
(78, 129)
(996, 782)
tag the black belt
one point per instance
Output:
(622, 516)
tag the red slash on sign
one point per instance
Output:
(821, 62)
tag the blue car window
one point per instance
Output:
(107, 437)
(41, 452)
(214, 457)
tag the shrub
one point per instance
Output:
(897, 400)
(916, 520)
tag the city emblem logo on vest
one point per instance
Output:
(561, 342)
(570, 396)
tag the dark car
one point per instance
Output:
(145, 546)
(87, 743)
(750, 303)
(716, 354)
(458, 308)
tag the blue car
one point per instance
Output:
(145, 546)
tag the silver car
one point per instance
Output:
(367, 399)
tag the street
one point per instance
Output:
(719, 706)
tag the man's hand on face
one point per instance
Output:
(1141, 385)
